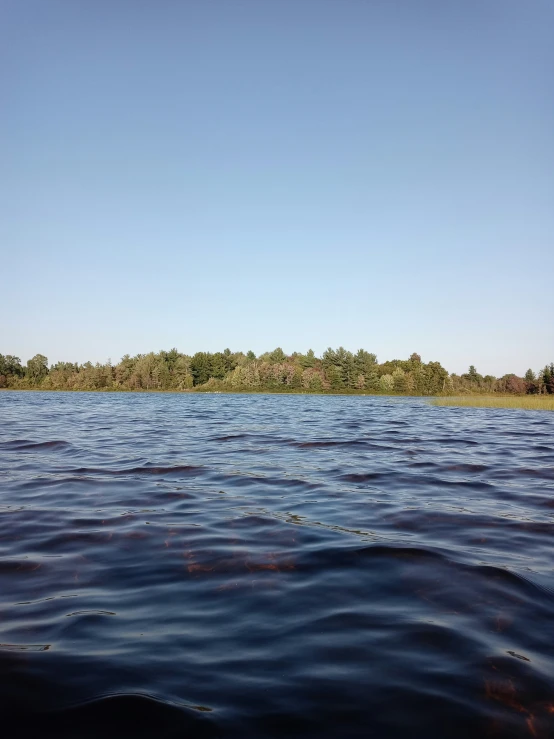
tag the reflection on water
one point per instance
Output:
(275, 566)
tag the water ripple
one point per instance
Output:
(274, 566)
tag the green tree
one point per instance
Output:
(231, 360)
(37, 368)
(307, 360)
(182, 377)
(473, 377)
(386, 384)
(277, 356)
(124, 370)
(400, 382)
(548, 378)
(150, 373)
(201, 367)
(365, 363)
(10, 365)
(333, 376)
(219, 365)
(340, 368)
(170, 358)
(435, 378)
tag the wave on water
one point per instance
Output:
(274, 566)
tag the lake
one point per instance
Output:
(196, 565)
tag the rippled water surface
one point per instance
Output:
(275, 566)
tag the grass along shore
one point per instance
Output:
(527, 402)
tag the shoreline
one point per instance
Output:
(542, 402)
(143, 391)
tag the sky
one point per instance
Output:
(296, 173)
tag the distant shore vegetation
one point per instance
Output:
(336, 371)
(525, 402)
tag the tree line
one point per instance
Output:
(336, 371)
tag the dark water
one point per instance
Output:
(274, 566)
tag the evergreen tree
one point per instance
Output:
(201, 367)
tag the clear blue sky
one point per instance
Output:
(298, 173)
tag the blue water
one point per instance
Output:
(274, 566)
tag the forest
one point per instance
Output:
(336, 371)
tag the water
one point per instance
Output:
(274, 566)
